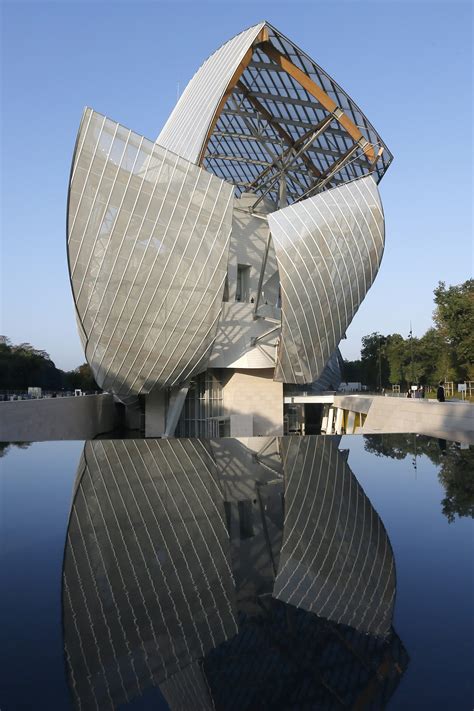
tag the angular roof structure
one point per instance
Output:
(259, 103)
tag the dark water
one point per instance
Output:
(292, 573)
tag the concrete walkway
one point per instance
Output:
(447, 420)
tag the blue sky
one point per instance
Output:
(408, 64)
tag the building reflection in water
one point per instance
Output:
(233, 574)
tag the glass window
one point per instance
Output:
(243, 278)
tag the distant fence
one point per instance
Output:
(9, 395)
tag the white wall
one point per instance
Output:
(255, 394)
(57, 418)
(448, 420)
(248, 243)
(232, 347)
(155, 414)
(237, 326)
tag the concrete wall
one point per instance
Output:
(248, 242)
(155, 414)
(57, 418)
(355, 403)
(448, 420)
(255, 393)
(237, 326)
(233, 348)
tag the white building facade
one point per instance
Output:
(221, 264)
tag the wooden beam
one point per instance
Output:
(261, 37)
(320, 95)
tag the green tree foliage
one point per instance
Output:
(454, 318)
(431, 357)
(397, 353)
(444, 352)
(81, 378)
(352, 371)
(22, 366)
(6, 446)
(456, 475)
(374, 360)
(399, 446)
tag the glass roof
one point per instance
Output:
(277, 122)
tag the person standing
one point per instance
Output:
(440, 392)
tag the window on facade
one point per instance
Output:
(225, 296)
(243, 279)
(245, 519)
(203, 408)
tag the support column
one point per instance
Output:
(339, 420)
(351, 418)
(177, 398)
(155, 413)
(330, 422)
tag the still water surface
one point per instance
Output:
(292, 573)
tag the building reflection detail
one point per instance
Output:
(233, 574)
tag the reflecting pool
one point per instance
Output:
(259, 573)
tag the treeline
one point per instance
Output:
(445, 352)
(22, 366)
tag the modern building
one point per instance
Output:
(220, 265)
(231, 574)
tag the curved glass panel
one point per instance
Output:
(328, 248)
(148, 240)
(336, 559)
(186, 129)
(260, 96)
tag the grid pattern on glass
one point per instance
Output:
(328, 248)
(270, 114)
(147, 583)
(203, 412)
(258, 118)
(148, 240)
(336, 559)
(335, 92)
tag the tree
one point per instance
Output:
(375, 368)
(81, 378)
(454, 318)
(444, 352)
(432, 357)
(456, 466)
(22, 366)
(396, 352)
(458, 481)
(352, 371)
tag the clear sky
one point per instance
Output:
(407, 63)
